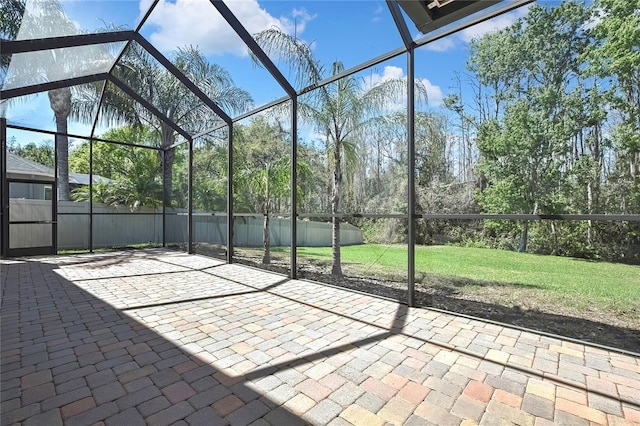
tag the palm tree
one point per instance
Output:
(131, 172)
(60, 101)
(270, 183)
(11, 14)
(167, 94)
(338, 110)
(267, 183)
(46, 19)
(263, 172)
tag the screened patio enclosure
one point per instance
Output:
(229, 145)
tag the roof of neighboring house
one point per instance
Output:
(24, 166)
(20, 167)
(83, 178)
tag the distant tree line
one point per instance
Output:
(552, 127)
(556, 125)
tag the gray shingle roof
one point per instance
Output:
(17, 164)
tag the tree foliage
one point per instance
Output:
(557, 128)
(339, 111)
(41, 153)
(263, 173)
(167, 94)
(44, 19)
(132, 172)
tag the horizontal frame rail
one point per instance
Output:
(78, 40)
(109, 214)
(32, 222)
(74, 136)
(569, 217)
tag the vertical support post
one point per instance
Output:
(190, 198)
(164, 203)
(54, 197)
(294, 188)
(4, 189)
(230, 195)
(91, 194)
(411, 189)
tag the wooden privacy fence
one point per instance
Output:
(118, 226)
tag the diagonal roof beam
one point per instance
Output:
(368, 64)
(124, 49)
(51, 85)
(150, 10)
(129, 91)
(253, 46)
(401, 24)
(44, 87)
(23, 46)
(180, 76)
(436, 35)
(34, 45)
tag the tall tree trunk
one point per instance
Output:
(524, 237)
(590, 211)
(167, 139)
(266, 240)
(167, 176)
(336, 269)
(266, 231)
(60, 101)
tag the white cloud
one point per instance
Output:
(388, 73)
(197, 23)
(377, 14)
(300, 17)
(442, 45)
(465, 36)
(434, 92)
(492, 25)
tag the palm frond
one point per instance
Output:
(11, 14)
(291, 52)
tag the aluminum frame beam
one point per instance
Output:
(230, 218)
(4, 189)
(535, 217)
(294, 190)
(23, 46)
(87, 138)
(190, 200)
(129, 91)
(245, 115)
(401, 24)
(51, 85)
(180, 76)
(48, 43)
(411, 178)
(253, 46)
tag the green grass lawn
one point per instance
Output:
(576, 281)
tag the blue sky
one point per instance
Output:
(350, 31)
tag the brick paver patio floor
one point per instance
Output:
(160, 337)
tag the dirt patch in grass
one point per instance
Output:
(518, 305)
